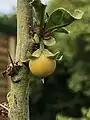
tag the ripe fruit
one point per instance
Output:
(42, 66)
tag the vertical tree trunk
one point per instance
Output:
(20, 83)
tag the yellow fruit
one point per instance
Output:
(42, 66)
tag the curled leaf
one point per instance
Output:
(78, 14)
(56, 56)
(60, 58)
(36, 54)
(61, 18)
(61, 30)
(47, 36)
(36, 38)
(50, 42)
(47, 53)
(39, 8)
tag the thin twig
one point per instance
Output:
(4, 107)
(10, 58)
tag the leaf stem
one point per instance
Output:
(42, 15)
(42, 19)
(55, 27)
(10, 58)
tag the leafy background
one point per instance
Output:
(66, 94)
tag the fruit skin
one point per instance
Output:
(42, 66)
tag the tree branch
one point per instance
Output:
(24, 24)
(18, 98)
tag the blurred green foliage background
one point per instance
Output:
(8, 24)
(66, 94)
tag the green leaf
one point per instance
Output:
(36, 38)
(78, 14)
(50, 42)
(58, 57)
(47, 53)
(61, 18)
(39, 9)
(61, 30)
(55, 56)
(36, 54)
